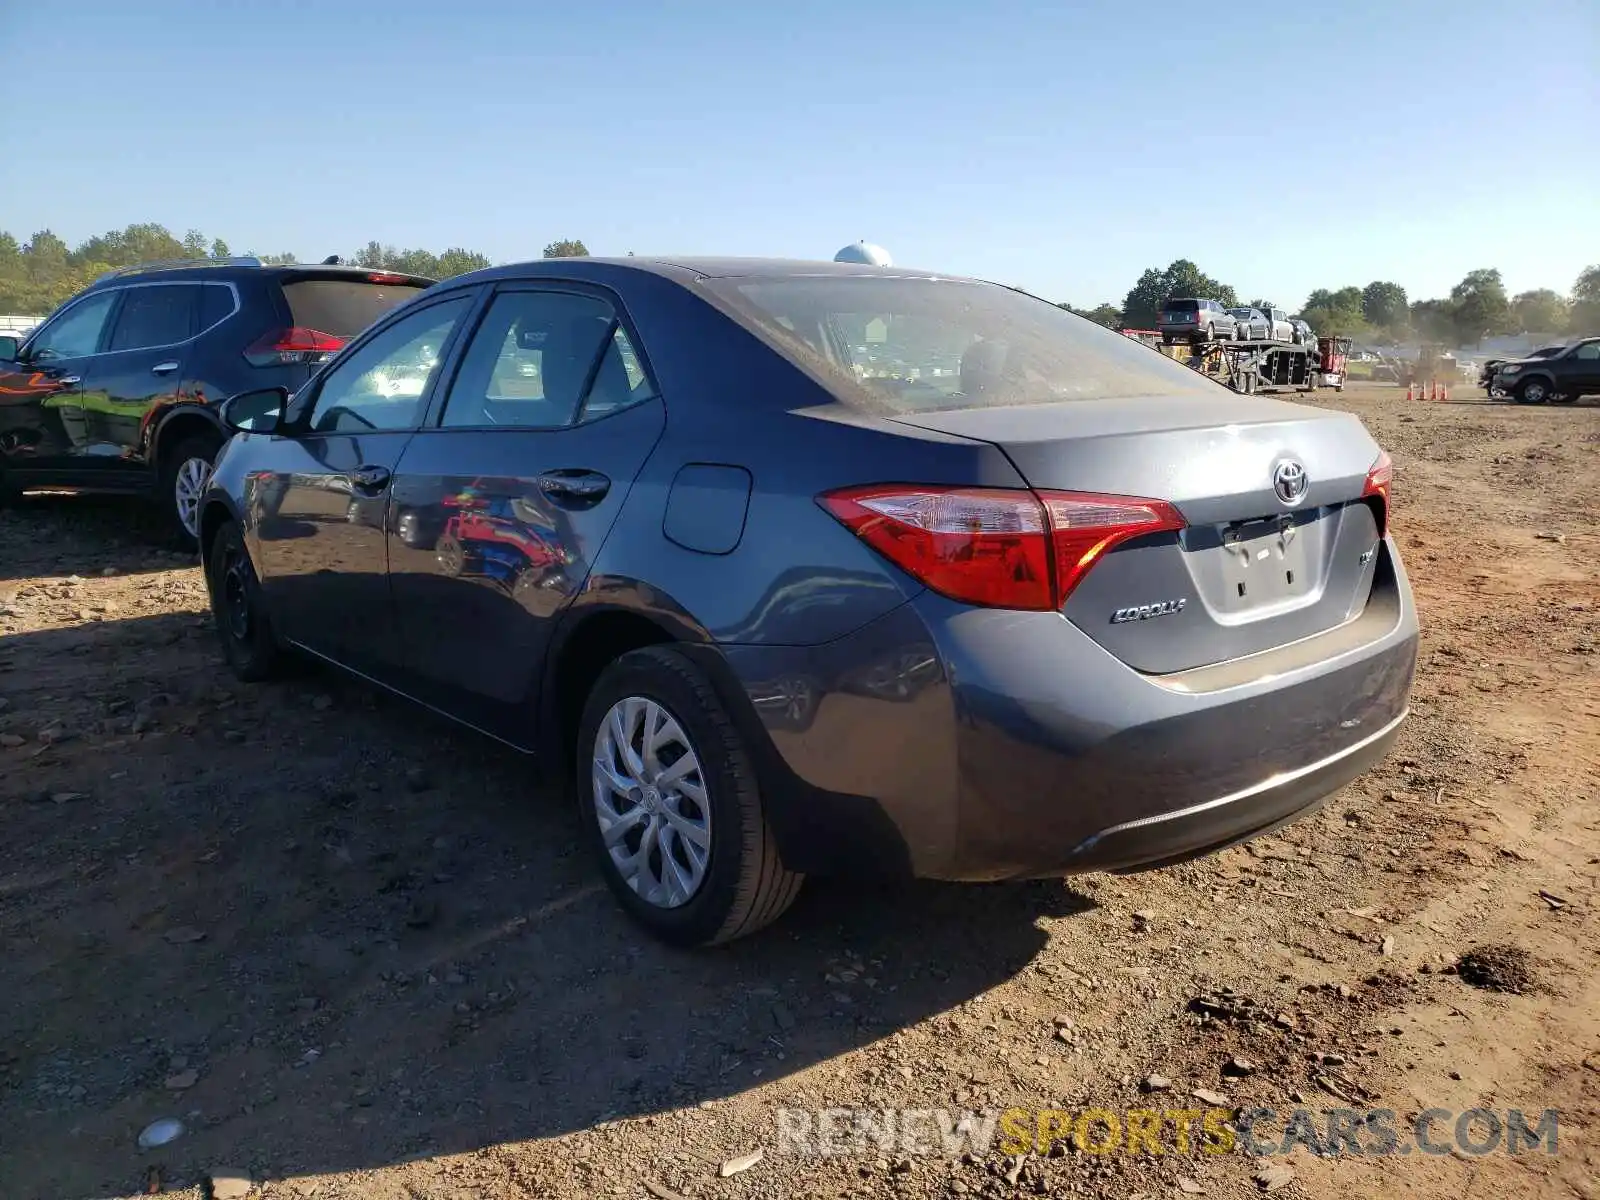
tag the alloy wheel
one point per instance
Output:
(650, 797)
(236, 595)
(188, 486)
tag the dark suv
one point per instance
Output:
(1562, 377)
(1196, 321)
(117, 390)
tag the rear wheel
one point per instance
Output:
(673, 805)
(185, 471)
(1532, 391)
(246, 634)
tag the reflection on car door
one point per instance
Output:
(42, 437)
(502, 501)
(137, 373)
(318, 514)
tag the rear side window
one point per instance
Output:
(906, 345)
(160, 315)
(342, 307)
(216, 304)
(539, 360)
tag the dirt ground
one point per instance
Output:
(352, 952)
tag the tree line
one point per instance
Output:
(1476, 308)
(38, 274)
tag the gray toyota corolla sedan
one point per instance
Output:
(797, 568)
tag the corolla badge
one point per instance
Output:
(1289, 481)
(1144, 612)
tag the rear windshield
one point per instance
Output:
(1241, 312)
(898, 345)
(1181, 305)
(343, 307)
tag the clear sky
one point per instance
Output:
(1062, 147)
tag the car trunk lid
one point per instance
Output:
(1251, 570)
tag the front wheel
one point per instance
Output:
(185, 471)
(1532, 391)
(673, 805)
(247, 639)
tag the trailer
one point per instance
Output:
(1254, 366)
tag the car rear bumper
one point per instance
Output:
(955, 743)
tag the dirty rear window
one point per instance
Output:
(343, 307)
(899, 345)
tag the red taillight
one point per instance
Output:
(999, 548)
(296, 345)
(1377, 487)
(385, 277)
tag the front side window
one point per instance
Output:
(1588, 351)
(544, 360)
(75, 332)
(906, 345)
(162, 315)
(384, 383)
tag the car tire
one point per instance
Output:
(1531, 391)
(248, 643)
(185, 471)
(740, 883)
(451, 555)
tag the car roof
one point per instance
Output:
(686, 268)
(202, 270)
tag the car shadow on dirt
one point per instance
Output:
(329, 931)
(48, 534)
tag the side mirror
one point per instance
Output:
(8, 348)
(260, 411)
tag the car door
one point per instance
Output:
(42, 439)
(1584, 371)
(319, 506)
(137, 374)
(502, 501)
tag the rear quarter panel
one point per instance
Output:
(796, 577)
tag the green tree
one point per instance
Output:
(219, 249)
(1384, 306)
(1540, 311)
(1263, 305)
(567, 248)
(1142, 306)
(1335, 312)
(1480, 305)
(456, 261)
(1108, 315)
(1584, 318)
(1434, 320)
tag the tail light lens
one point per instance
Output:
(1377, 488)
(999, 548)
(284, 347)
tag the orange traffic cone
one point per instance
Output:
(1411, 391)
(1444, 392)
(1433, 389)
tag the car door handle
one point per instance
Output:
(69, 380)
(370, 479)
(165, 368)
(574, 485)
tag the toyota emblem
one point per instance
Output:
(1289, 481)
